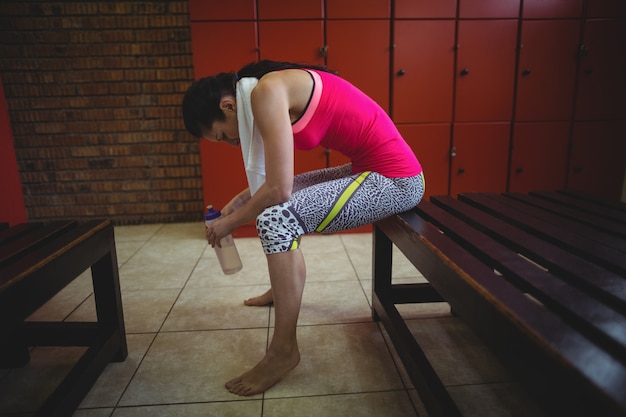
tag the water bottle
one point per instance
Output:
(227, 254)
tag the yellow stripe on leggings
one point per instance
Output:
(342, 200)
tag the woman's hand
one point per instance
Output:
(217, 230)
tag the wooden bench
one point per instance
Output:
(36, 262)
(540, 277)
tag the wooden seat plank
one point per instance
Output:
(593, 318)
(21, 244)
(548, 353)
(608, 226)
(582, 229)
(595, 251)
(604, 284)
(586, 206)
(617, 205)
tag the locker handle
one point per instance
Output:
(461, 171)
(526, 72)
(465, 71)
(519, 170)
(401, 72)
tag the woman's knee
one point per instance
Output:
(279, 229)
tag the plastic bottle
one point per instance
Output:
(227, 254)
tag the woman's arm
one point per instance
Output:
(270, 106)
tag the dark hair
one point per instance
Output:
(201, 103)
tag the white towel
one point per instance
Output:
(251, 140)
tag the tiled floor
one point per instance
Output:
(189, 332)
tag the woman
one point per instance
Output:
(302, 107)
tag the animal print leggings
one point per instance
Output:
(333, 199)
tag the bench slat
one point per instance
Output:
(605, 285)
(567, 238)
(550, 355)
(608, 226)
(616, 205)
(28, 239)
(600, 323)
(586, 206)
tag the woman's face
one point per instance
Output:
(226, 131)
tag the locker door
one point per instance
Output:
(289, 9)
(431, 144)
(366, 9)
(601, 80)
(224, 10)
(423, 71)
(296, 41)
(485, 70)
(598, 158)
(606, 8)
(477, 9)
(359, 51)
(539, 156)
(542, 9)
(547, 69)
(223, 173)
(411, 9)
(480, 157)
(214, 52)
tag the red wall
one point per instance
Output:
(12, 209)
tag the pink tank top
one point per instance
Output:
(341, 117)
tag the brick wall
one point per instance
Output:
(94, 90)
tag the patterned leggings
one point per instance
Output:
(332, 199)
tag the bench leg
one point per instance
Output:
(108, 298)
(14, 352)
(381, 265)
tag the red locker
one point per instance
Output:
(423, 71)
(359, 51)
(289, 9)
(480, 157)
(539, 156)
(485, 70)
(598, 158)
(477, 9)
(542, 9)
(296, 41)
(223, 174)
(547, 69)
(606, 8)
(433, 9)
(222, 10)
(601, 80)
(431, 144)
(365, 9)
(215, 52)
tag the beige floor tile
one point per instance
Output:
(59, 307)
(332, 303)
(339, 359)
(125, 249)
(192, 231)
(144, 311)
(495, 400)
(456, 353)
(216, 308)
(96, 412)
(324, 267)
(142, 232)
(109, 387)
(251, 408)
(160, 265)
(375, 404)
(186, 367)
(208, 273)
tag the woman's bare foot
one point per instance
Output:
(262, 300)
(264, 375)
